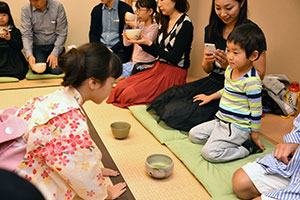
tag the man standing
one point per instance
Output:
(107, 24)
(44, 29)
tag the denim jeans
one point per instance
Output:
(41, 53)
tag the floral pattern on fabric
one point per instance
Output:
(61, 159)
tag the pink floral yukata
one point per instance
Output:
(61, 159)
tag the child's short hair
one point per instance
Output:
(250, 38)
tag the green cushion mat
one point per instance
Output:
(5, 79)
(31, 76)
(215, 177)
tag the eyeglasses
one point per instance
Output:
(141, 9)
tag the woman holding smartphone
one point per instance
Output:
(176, 106)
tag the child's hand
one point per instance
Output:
(255, 138)
(115, 191)
(203, 98)
(109, 172)
(5, 36)
(221, 57)
(143, 40)
(131, 23)
(284, 152)
(125, 36)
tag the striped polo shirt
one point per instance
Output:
(240, 102)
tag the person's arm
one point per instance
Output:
(61, 31)
(14, 39)
(253, 93)
(126, 42)
(260, 65)
(152, 32)
(94, 34)
(182, 42)
(26, 29)
(75, 157)
(294, 136)
(291, 191)
(204, 99)
(207, 61)
(285, 152)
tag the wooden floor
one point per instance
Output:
(129, 154)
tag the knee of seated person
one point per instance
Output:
(242, 185)
(192, 135)
(55, 71)
(209, 154)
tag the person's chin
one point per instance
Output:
(226, 21)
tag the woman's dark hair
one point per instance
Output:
(149, 4)
(181, 6)
(4, 8)
(89, 60)
(216, 25)
(249, 37)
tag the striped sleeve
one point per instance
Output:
(294, 136)
(220, 92)
(253, 92)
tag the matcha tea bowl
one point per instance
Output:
(159, 165)
(120, 130)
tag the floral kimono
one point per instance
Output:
(61, 159)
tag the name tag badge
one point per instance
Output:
(53, 22)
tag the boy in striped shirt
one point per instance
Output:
(240, 110)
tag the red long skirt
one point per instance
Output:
(144, 87)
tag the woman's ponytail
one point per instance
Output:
(72, 63)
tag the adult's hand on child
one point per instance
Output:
(255, 138)
(203, 98)
(284, 152)
(221, 58)
(115, 191)
(31, 60)
(109, 172)
(52, 60)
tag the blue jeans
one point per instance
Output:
(41, 53)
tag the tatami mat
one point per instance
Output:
(31, 84)
(130, 155)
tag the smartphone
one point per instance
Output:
(210, 46)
